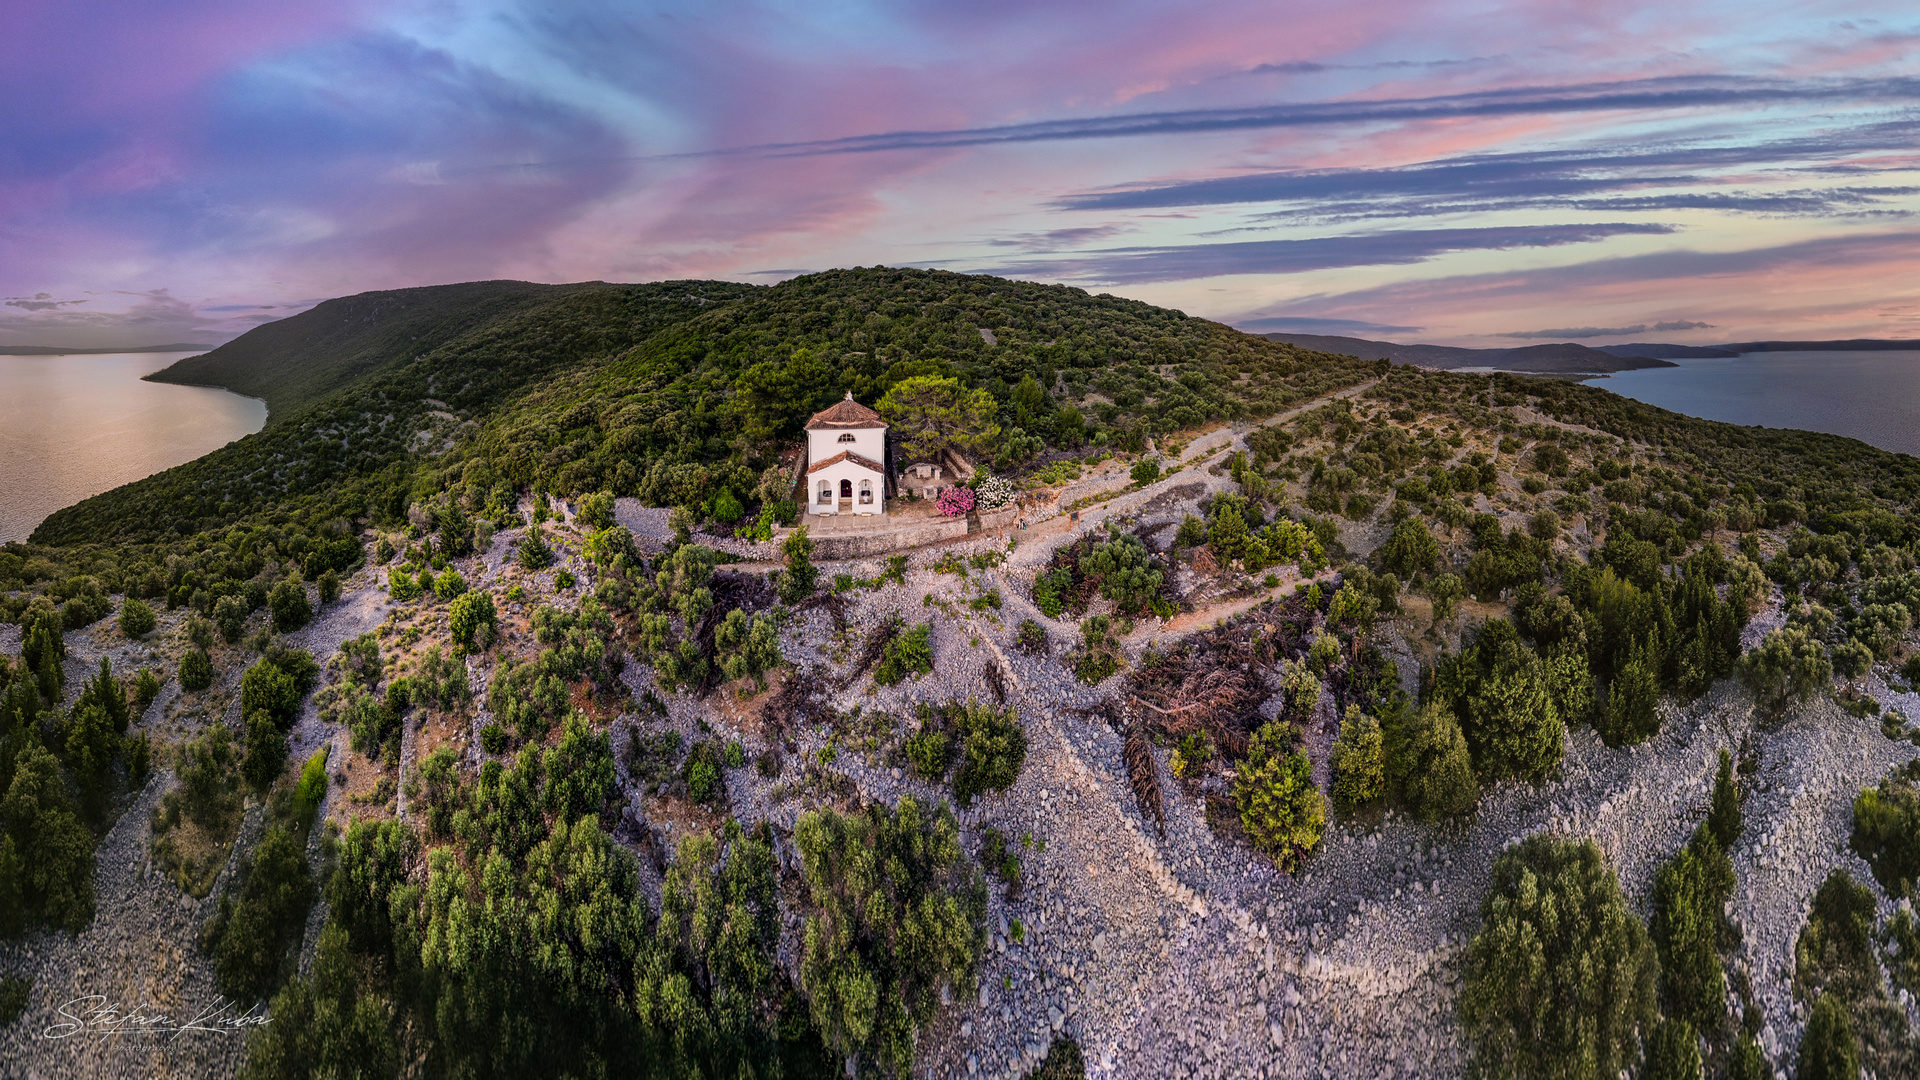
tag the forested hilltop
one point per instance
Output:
(484, 715)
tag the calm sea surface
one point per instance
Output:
(75, 426)
(1870, 396)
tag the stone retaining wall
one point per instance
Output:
(1000, 518)
(880, 542)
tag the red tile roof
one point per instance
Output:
(846, 414)
(848, 455)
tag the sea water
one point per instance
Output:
(77, 425)
(1870, 396)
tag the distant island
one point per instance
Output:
(1561, 359)
(1568, 358)
(62, 350)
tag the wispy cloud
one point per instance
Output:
(1576, 332)
(39, 302)
(1148, 264)
(1057, 239)
(1304, 324)
(1477, 182)
(1809, 288)
(1655, 94)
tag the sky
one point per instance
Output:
(1478, 172)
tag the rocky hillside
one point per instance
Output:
(1235, 754)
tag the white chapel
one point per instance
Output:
(846, 469)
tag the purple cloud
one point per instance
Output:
(1136, 265)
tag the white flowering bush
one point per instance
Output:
(995, 492)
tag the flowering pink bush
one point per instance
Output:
(955, 501)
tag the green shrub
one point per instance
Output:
(1632, 699)
(1124, 571)
(403, 586)
(288, 604)
(1746, 1062)
(329, 586)
(493, 739)
(875, 881)
(1280, 808)
(1886, 833)
(1689, 894)
(1049, 591)
(268, 691)
(266, 755)
(1190, 757)
(200, 632)
(85, 608)
(563, 579)
(207, 769)
(1723, 814)
(1428, 762)
(705, 782)
(1145, 471)
(48, 878)
(1227, 528)
(311, 790)
(1835, 961)
(1031, 637)
(1512, 703)
(146, 687)
(1673, 1052)
(252, 939)
(139, 759)
(596, 509)
(533, 552)
(993, 746)
(449, 584)
(1446, 591)
(1192, 533)
(13, 998)
(1359, 760)
(196, 670)
(1099, 655)
(799, 577)
(472, 620)
(747, 647)
(1788, 665)
(1000, 858)
(907, 653)
(929, 750)
(725, 508)
(230, 615)
(1829, 1050)
(1063, 1062)
(1411, 550)
(136, 618)
(1560, 977)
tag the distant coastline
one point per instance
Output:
(62, 350)
(1568, 358)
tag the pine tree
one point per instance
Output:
(90, 749)
(1631, 716)
(1723, 820)
(266, 755)
(800, 577)
(105, 691)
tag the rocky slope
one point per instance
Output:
(1172, 954)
